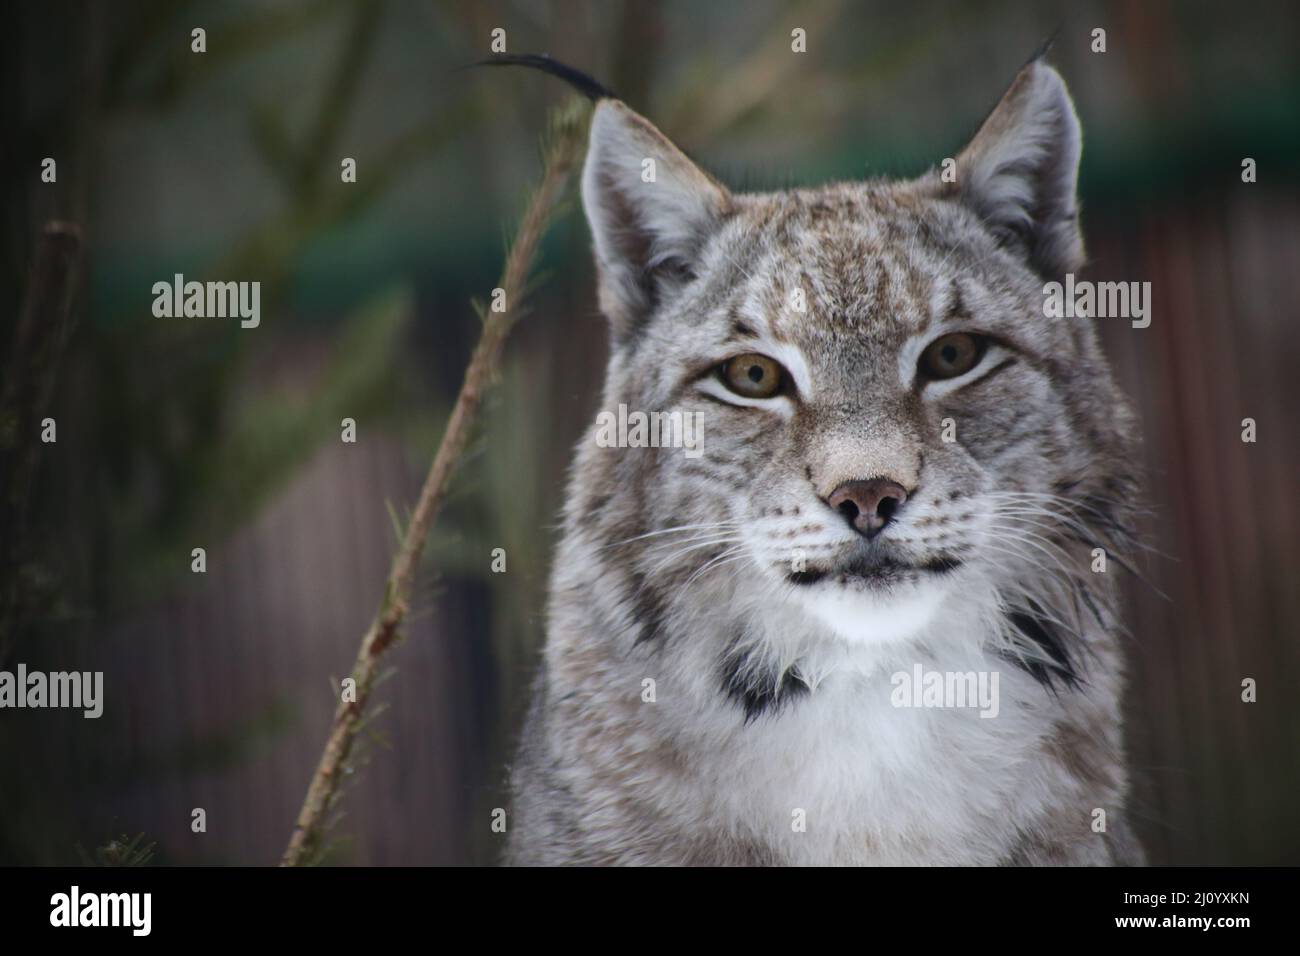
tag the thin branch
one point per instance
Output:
(562, 149)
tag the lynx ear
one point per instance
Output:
(650, 210)
(1020, 171)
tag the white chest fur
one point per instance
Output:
(853, 772)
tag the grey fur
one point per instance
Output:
(772, 697)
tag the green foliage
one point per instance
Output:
(223, 481)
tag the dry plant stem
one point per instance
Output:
(561, 155)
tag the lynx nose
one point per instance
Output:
(868, 505)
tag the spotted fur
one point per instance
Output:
(720, 640)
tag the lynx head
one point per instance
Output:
(890, 422)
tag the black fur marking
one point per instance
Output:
(1065, 486)
(942, 564)
(759, 693)
(742, 329)
(1045, 47)
(584, 84)
(1092, 606)
(647, 609)
(1033, 626)
(957, 308)
(805, 577)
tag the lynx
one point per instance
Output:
(906, 468)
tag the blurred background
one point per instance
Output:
(177, 434)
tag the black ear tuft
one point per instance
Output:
(582, 82)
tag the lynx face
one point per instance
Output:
(825, 428)
(904, 466)
(889, 420)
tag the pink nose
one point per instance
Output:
(868, 505)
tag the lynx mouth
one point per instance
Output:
(874, 570)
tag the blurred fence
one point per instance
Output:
(1215, 777)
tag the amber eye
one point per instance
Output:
(753, 376)
(951, 355)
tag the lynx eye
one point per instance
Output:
(951, 355)
(752, 376)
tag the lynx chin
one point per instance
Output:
(827, 537)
